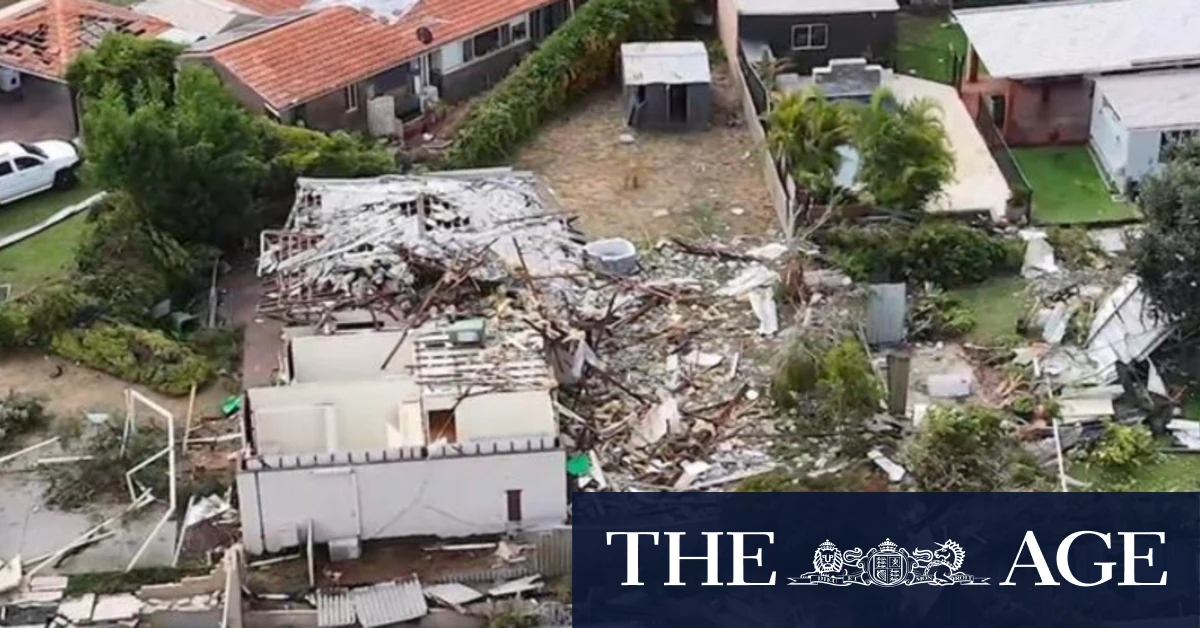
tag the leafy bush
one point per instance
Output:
(579, 57)
(1123, 449)
(19, 414)
(137, 355)
(937, 314)
(946, 254)
(1074, 247)
(960, 449)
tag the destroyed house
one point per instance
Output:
(446, 430)
(374, 66)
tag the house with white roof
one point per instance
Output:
(1034, 68)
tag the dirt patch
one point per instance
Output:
(71, 390)
(698, 183)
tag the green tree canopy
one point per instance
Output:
(906, 155)
(1167, 255)
(192, 167)
(807, 129)
(129, 63)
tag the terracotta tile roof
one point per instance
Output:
(44, 38)
(337, 46)
(269, 7)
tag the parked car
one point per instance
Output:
(27, 168)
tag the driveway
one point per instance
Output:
(40, 110)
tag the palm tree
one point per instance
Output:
(807, 129)
(906, 155)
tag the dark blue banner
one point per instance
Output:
(834, 560)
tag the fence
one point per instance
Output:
(1020, 205)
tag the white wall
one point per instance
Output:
(362, 409)
(348, 356)
(1109, 138)
(500, 415)
(1143, 160)
(446, 497)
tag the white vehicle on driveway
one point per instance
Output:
(27, 168)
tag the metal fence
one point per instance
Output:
(1020, 205)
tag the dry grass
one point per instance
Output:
(699, 183)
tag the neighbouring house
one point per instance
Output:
(978, 187)
(458, 437)
(1137, 117)
(1032, 68)
(196, 20)
(373, 65)
(38, 41)
(811, 33)
(668, 84)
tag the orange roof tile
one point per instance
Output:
(46, 37)
(337, 46)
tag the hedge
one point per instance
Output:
(943, 253)
(133, 354)
(577, 58)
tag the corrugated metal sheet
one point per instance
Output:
(389, 603)
(886, 311)
(335, 609)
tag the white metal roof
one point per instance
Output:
(814, 7)
(1154, 100)
(670, 62)
(201, 17)
(1082, 37)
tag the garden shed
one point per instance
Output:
(668, 84)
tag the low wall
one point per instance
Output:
(779, 197)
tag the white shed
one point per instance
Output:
(1136, 117)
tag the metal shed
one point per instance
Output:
(668, 84)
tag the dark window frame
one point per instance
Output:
(6, 168)
(30, 162)
(810, 31)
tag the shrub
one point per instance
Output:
(135, 355)
(936, 314)
(579, 57)
(1074, 247)
(959, 449)
(1123, 449)
(946, 254)
(18, 415)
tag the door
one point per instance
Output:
(514, 506)
(999, 110)
(32, 175)
(677, 104)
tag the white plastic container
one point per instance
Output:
(616, 256)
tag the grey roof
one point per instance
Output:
(335, 609)
(202, 17)
(1157, 100)
(1079, 37)
(814, 7)
(377, 605)
(669, 62)
(389, 603)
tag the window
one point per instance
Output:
(1170, 140)
(32, 150)
(810, 37)
(5, 168)
(468, 50)
(442, 426)
(520, 30)
(25, 163)
(350, 95)
(514, 505)
(487, 42)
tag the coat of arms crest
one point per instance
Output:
(888, 565)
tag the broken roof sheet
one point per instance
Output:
(345, 237)
(669, 62)
(510, 360)
(389, 603)
(43, 38)
(1081, 37)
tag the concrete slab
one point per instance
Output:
(453, 593)
(950, 385)
(116, 607)
(78, 609)
(29, 528)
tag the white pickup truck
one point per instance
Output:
(27, 168)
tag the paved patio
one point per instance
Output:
(39, 110)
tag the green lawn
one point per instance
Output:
(1067, 188)
(46, 254)
(998, 303)
(1176, 472)
(925, 47)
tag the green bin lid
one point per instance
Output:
(579, 464)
